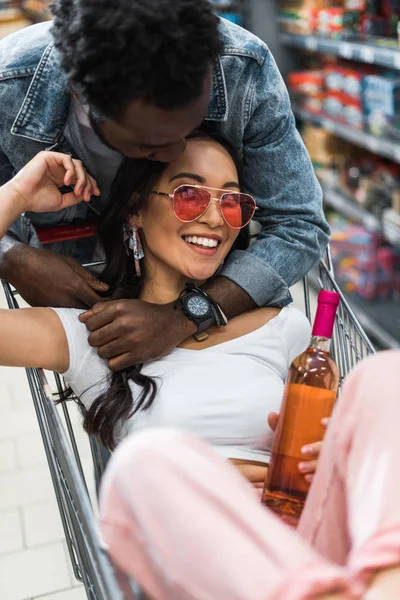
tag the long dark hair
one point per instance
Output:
(133, 183)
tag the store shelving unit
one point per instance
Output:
(380, 318)
(366, 52)
(335, 198)
(379, 145)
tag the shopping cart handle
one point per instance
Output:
(65, 232)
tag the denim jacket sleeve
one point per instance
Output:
(279, 174)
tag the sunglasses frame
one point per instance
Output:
(218, 200)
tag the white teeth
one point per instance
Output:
(200, 241)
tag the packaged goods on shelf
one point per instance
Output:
(354, 95)
(308, 86)
(325, 151)
(371, 181)
(364, 266)
(381, 102)
(335, 22)
(300, 16)
(364, 20)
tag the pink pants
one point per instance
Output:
(186, 525)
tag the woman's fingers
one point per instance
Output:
(308, 466)
(273, 420)
(84, 184)
(311, 450)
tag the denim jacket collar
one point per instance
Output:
(44, 121)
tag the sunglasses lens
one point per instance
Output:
(238, 209)
(190, 202)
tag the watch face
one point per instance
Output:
(198, 306)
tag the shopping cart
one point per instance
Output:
(89, 560)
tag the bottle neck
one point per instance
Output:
(320, 343)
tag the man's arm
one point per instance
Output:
(279, 174)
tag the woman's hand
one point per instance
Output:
(36, 185)
(310, 452)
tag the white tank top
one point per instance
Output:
(222, 394)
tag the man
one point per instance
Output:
(133, 78)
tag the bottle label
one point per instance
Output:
(303, 408)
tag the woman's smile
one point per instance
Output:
(205, 244)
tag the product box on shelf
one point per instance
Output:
(306, 87)
(343, 109)
(299, 16)
(364, 266)
(381, 102)
(334, 21)
(371, 181)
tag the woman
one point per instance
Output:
(186, 527)
(222, 388)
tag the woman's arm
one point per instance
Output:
(33, 337)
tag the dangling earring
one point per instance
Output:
(132, 242)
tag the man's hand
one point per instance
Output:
(311, 452)
(45, 278)
(130, 332)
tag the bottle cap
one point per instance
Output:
(327, 297)
(326, 312)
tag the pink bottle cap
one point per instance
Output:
(326, 312)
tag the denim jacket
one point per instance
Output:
(249, 103)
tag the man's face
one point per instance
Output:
(145, 131)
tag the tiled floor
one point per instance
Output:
(34, 563)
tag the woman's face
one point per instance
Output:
(165, 239)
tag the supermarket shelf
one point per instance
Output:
(380, 319)
(347, 207)
(350, 50)
(382, 146)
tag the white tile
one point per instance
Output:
(17, 422)
(34, 572)
(10, 532)
(30, 450)
(25, 487)
(41, 523)
(15, 385)
(8, 456)
(73, 594)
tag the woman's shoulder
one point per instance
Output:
(283, 318)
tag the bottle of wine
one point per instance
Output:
(309, 396)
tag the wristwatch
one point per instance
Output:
(198, 309)
(197, 306)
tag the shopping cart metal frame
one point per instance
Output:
(89, 560)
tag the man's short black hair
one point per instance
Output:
(117, 51)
